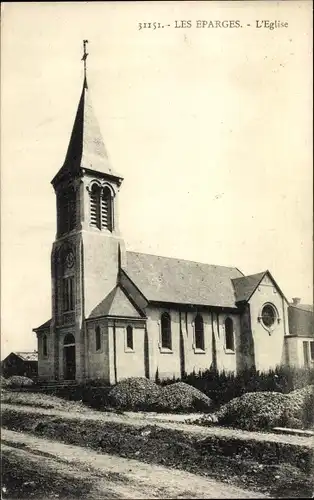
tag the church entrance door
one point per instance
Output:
(69, 357)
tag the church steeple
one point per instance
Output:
(86, 148)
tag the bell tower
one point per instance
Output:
(88, 248)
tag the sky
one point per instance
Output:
(211, 129)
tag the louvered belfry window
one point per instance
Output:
(101, 208)
(95, 215)
(106, 210)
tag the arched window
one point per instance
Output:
(129, 337)
(166, 331)
(45, 347)
(69, 339)
(95, 214)
(199, 332)
(97, 338)
(229, 334)
(106, 209)
(68, 294)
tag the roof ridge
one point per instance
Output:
(28, 352)
(186, 260)
(249, 275)
(301, 306)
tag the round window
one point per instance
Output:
(268, 315)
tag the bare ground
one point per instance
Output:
(140, 419)
(271, 465)
(54, 469)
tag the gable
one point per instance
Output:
(116, 304)
(269, 284)
(246, 286)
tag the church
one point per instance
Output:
(117, 314)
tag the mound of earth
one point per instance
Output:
(134, 393)
(4, 382)
(264, 410)
(183, 397)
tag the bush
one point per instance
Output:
(17, 381)
(182, 397)
(134, 393)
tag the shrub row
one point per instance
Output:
(223, 386)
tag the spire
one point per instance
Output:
(86, 148)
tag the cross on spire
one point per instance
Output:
(85, 54)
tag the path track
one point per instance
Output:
(112, 476)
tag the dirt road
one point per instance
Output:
(141, 419)
(97, 475)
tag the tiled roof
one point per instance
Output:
(245, 286)
(303, 307)
(164, 279)
(27, 356)
(115, 304)
(86, 147)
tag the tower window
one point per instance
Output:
(97, 338)
(166, 331)
(229, 334)
(66, 210)
(95, 214)
(129, 337)
(106, 209)
(45, 347)
(199, 332)
(101, 215)
(68, 294)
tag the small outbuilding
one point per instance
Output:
(23, 363)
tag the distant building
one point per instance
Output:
(117, 314)
(300, 342)
(20, 363)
